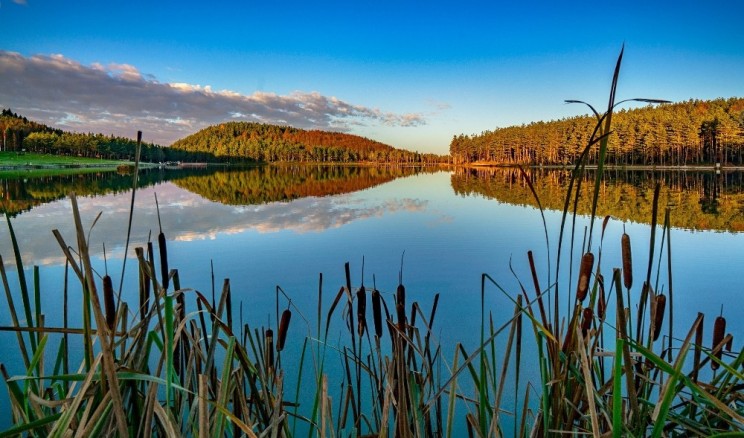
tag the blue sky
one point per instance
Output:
(411, 74)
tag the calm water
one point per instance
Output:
(284, 226)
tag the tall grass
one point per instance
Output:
(177, 363)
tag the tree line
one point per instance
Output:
(273, 143)
(686, 133)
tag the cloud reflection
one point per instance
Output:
(186, 217)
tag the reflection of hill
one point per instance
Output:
(283, 183)
(700, 200)
(22, 194)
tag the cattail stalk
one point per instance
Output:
(627, 261)
(377, 312)
(108, 302)
(163, 260)
(587, 263)
(586, 322)
(719, 329)
(400, 306)
(269, 349)
(362, 310)
(659, 314)
(602, 302)
(283, 327)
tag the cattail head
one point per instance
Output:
(659, 314)
(269, 349)
(602, 302)
(401, 311)
(400, 295)
(377, 312)
(585, 271)
(362, 309)
(586, 322)
(283, 327)
(719, 328)
(108, 302)
(163, 259)
(730, 343)
(627, 261)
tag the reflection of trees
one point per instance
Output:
(23, 193)
(700, 200)
(283, 183)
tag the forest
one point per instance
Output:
(699, 200)
(272, 143)
(694, 132)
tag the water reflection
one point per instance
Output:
(194, 205)
(699, 200)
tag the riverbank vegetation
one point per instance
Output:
(694, 132)
(178, 362)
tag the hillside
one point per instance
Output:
(686, 133)
(241, 141)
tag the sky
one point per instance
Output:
(410, 74)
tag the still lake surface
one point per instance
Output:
(282, 226)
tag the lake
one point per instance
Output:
(284, 225)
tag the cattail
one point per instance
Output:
(163, 259)
(400, 306)
(108, 302)
(362, 309)
(400, 295)
(283, 327)
(730, 343)
(587, 263)
(627, 261)
(586, 323)
(377, 312)
(659, 314)
(144, 286)
(719, 328)
(602, 303)
(269, 349)
(401, 311)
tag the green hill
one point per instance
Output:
(244, 141)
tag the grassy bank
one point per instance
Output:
(28, 160)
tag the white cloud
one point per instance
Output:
(119, 99)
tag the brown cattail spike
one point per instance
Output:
(108, 302)
(400, 295)
(163, 260)
(401, 311)
(377, 312)
(730, 343)
(659, 314)
(269, 349)
(627, 262)
(283, 327)
(587, 263)
(586, 322)
(719, 328)
(362, 309)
